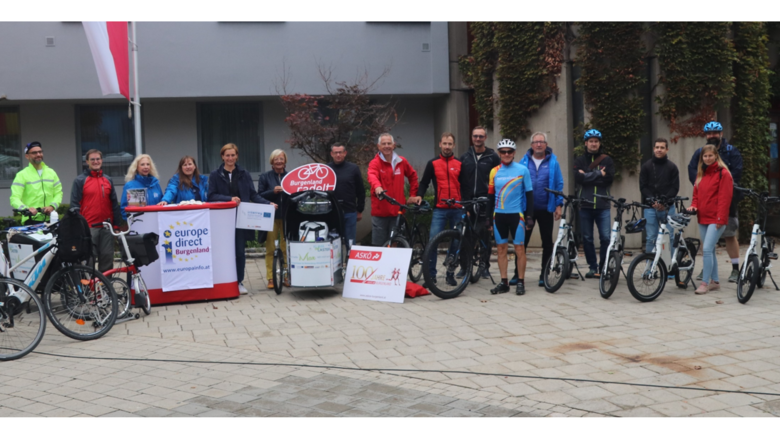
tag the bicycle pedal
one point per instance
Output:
(772, 256)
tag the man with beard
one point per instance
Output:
(733, 159)
(36, 186)
(658, 177)
(444, 172)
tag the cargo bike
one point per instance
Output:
(313, 225)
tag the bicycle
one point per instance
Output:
(758, 255)
(658, 265)
(22, 323)
(78, 300)
(613, 266)
(566, 253)
(132, 261)
(467, 245)
(404, 236)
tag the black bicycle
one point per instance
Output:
(466, 246)
(758, 255)
(406, 235)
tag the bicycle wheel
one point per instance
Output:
(22, 325)
(746, 284)
(684, 260)
(556, 270)
(278, 271)
(448, 254)
(396, 242)
(417, 243)
(80, 302)
(143, 296)
(608, 282)
(644, 285)
(122, 290)
(479, 261)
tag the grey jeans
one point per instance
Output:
(103, 248)
(380, 229)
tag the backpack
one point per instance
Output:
(74, 239)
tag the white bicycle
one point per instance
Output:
(565, 254)
(648, 272)
(613, 266)
(759, 254)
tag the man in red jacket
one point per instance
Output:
(93, 192)
(386, 174)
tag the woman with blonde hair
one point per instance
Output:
(187, 184)
(712, 195)
(269, 186)
(142, 174)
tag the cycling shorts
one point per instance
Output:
(506, 223)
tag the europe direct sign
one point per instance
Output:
(186, 243)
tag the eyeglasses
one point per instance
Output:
(477, 136)
(95, 159)
(538, 142)
(35, 153)
(506, 152)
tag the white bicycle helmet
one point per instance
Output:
(506, 144)
(678, 221)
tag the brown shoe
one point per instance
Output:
(286, 283)
(270, 284)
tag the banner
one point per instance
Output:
(312, 176)
(377, 273)
(186, 243)
(109, 45)
(251, 216)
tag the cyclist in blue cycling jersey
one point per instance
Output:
(511, 186)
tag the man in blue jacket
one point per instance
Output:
(733, 159)
(545, 173)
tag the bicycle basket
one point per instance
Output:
(143, 248)
(315, 205)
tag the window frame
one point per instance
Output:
(80, 166)
(6, 183)
(260, 131)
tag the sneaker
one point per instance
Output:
(500, 288)
(670, 277)
(461, 273)
(700, 276)
(714, 286)
(450, 279)
(270, 284)
(428, 285)
(513, 281)
(486, 274)
(734, 276)
(242, 290)
(520, 289)
(541, 281)
(593, 274)
(702, 289)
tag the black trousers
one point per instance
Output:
(545, 220)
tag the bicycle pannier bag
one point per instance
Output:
(143, 248)
(74, 240)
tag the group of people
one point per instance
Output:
(516, 189)
(519, 200)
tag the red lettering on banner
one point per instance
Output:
(365, 255)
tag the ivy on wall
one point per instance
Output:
(751, 113)
(530, 57)
(477, 69)
(527, 59)
(696, 71)
(612, 60)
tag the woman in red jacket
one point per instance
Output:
(711, 200)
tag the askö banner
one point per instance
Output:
(186, 243)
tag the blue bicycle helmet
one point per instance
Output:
(636, 226)
(592, 133)
(713, 127)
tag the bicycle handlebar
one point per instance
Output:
(28, 213)
(750, 192)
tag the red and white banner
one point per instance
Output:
(109, 45)
(312, 176)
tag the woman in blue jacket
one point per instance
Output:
(545, 173)
(232, 183)
(142, 174)
(187, 184)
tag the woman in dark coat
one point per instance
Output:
(269, 186)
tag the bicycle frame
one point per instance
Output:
(753, 248)
(33, 279)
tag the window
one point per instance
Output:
(239, 123)
(10, 143)
(107, 129)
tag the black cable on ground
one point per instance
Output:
(475, 373)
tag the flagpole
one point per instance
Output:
(136, 99)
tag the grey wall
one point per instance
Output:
(228, 59)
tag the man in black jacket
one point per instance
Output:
(658, 177)
(476, 165)
(593, 173)
(349, 189)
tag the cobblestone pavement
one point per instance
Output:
(681, 340)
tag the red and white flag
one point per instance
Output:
(108, 42)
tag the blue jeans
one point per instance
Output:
(654, 218)
(589, 216)
(350, 228)
(709, 237)
(443, 217)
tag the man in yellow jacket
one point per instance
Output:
(37, 186)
